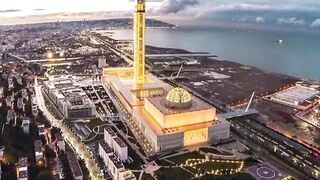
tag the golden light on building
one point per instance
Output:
(139, 43)
(196, 136)
(162, 117)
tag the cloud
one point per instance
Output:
(315, 23)
(175, 6)
(9, 10)
(39, 9)
(260, 19)
(291, 21)
(241, 7)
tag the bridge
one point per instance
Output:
(237, 113)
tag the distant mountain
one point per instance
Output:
(107, 23)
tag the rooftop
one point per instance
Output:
(23, 174)
(110, 131)
(196, 105)
(37, 145)
(74, 164)
(23, 162)
(120, 142)
(116, 162)
(107, 149)
(297, 94)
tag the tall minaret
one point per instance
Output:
(139, 42)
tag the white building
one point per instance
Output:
(42, 130)
(34, 106)
(120, 149)
(60, 142)
(10, 116)
(118, 146)
(70, 100)
(38, 150)
(1, 92)
(23, 169)
(20, 103)
(1, 152)
(115, 167)
(9, 101)
(25, 126)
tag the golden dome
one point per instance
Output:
(178, 98)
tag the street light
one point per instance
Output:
(49, 54)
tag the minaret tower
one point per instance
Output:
(139, 42)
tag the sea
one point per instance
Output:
(298, 55)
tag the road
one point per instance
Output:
(15, 56)
(78, 146)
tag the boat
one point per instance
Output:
(279, 41)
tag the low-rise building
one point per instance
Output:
(23, 169)
(34, 106)
(118, 146)
(1, 92)
(57, 172)
(120, 149)
(20, 103)
(9, 101)
(41, 130)
(38, 150)
(74, 165)
(1, 152)
(114, 166)
(60, 142)
(299, 97)
(70, 100)
(10, 116)
(25, 126)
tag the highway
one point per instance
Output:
(77, 145)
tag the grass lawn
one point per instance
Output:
(137, 161)
(237, 176)
(95, 122)
(163, 163)
(98, 137)
(173, 174)
(209, 166)
(180, 159)
(136, 174)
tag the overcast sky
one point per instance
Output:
(282, 13)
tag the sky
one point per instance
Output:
(303, 14)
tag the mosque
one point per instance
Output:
(168, 118)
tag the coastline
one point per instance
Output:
(231, 84)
